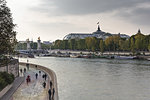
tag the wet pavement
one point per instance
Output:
(34, 90)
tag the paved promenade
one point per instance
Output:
(34, 90)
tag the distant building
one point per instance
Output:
(97, 34)
(47, 42)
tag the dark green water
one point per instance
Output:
(99, 79)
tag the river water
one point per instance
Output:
(99, 79)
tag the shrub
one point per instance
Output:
(5, 79)
(2, 83)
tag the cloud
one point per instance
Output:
(139, 14)
(79, 7)
(137, 11)
(53, 19)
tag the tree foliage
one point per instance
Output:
(138, 42)
(101, 45)
(5, 79)
(7, 33)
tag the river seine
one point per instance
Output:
(99, 79)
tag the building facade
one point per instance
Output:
(98, 34)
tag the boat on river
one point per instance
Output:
(124, 57)
(74, 56)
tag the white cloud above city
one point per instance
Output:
(53, 19)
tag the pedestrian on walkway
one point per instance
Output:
(27, 80)
(27, 65)
(24, 70)
(50, 93)
(36, 75)
(51, 84)
(21, 70)
(45, 76)
(39, 72)
(36, 66)
(44, 84)
(53, 94)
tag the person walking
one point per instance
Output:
(44, 84)
(53, 94)
(36, 75)
(29, 79)
(45, 76)
(27, 65)
(21, 72)
(50, 93)
(24, 70)
(51, 84)
(36, 66)
(39, 72)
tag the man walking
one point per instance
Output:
(51, 84)
(44, 84)
(36, 75)
(53, 93)
(27, 65)
(45, 76)
(49, 92)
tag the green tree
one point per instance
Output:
(81, 44)
(123, 45)
(149, 47)
(94, 44)
(132, 45)
(64, 44)
(140, 42)
(91, 43)
(7, 33)
(72, 43)
(57, 44)
(109, 43)
(88, 42)
(45, 46)
(101, 44)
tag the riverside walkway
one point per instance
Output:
(34, 90)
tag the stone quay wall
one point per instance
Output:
(49, 72)
(12, 67)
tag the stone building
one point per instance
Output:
(98, 34)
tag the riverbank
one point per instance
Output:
(107, 55)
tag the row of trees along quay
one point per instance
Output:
(135, 43)
(7, 42)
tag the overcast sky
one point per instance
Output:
(53, 19)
